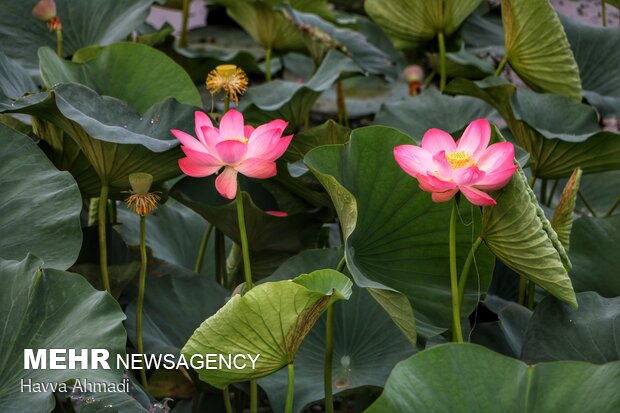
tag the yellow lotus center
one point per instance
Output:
(226, 71)
(240, 139)
(459, 159)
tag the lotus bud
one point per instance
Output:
(414, 75)
(44, 10)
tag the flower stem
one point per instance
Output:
(141, 286)
(500, 66)
(183, 39)
(522, 288)
(341, 101)
(220, 257)
(587, 203)
(247, 270)
(531, 295)
(227, 404)
(268, 65)
(442, 61)
(103, 246)
(456, 313)
(290, 389)
(466, 267)
(327, 368)
(553, 189)
(603, 13)
(226, 103)
(613, 207)
(203, 248)
(253, 397)
(59, 42)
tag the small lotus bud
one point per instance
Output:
(413, 73)
(141, 182)
(44, 10)
(277, 213)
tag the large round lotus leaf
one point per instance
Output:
(537, 48)
(39, 206)
(272, 320)
(84, 23)
(396, 236)
(590, 333)
(295, 232)
(601, 190)
(132, 72)
(174, 306)
(268, 26)
(597, 52)
(366, 343)
(518, 233)
(594, 254)
(14, 80)
(290, 100)
(471, 378)
(411, 22)
(52, 309)
(134, 401)
(369, 57)
(173, 233)
(415, 115)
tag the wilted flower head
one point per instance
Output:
(235, 147)
(141, 201)
(44, 10)
(229, 78)
(444, 167)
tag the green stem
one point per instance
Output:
(141, 286)
(603, 13)
(456, 313)
(227, 405)
(531, 295)
(290, 389)
(543, 192)
(103, 246)
(220, 257)
(253, 397)
(500, 66)
(522, 288)
(532, 181)
(343, 114)
(466, 266)
(613, 207)
(203, 248)
(226, 103)
(327, 368)
(442, 61)
(183, 39)
(59, 43)
(112, 212)
(247, 270)
(587, 203)
(341, 264)
(268, 65)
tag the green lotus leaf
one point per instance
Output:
(441, 379)
(267, 26)
(463, 63)
(40, 207)
(558, 143)
(595, 269)
(329, 133)
(602, 191)
(366, 343)
(135, 401)
(597, 52)
(591, 333)
(518, 233)
(295, 232)
(84, 23)
(173, 234)
(537, 48)
(355, 45)
(411, 22)
(272, 320)
(174, 306)
(45, 309)
(417, 114)
(396, 237)
(281, 99)
(14, 80)
(562, 221)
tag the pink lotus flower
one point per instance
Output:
(44, 10)
(443, 167)
(234, 147)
